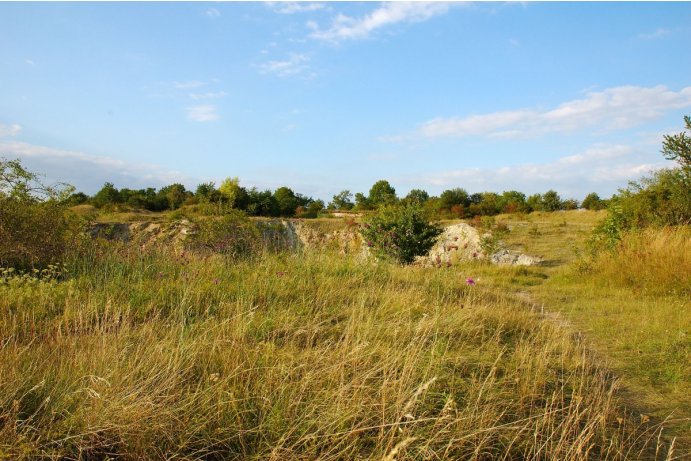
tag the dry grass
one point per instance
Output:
(293, 357)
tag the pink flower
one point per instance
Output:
(470, 281)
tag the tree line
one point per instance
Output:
(284, 202)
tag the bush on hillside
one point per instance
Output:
(35, 230)
(231, 234)
(400, 232)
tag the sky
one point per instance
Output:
(322, 97)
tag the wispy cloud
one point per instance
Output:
(389, 13)
(208, 95)
(10, 130)
(612, 109)
(88, 172)
(600, 168)
(202, 113)
(212, 13)
(294, 7)
(188, 85)
(295, 64)
(659, 33)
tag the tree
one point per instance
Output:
(592, 201)
(207, 192)
(678, 147)
(534, 202)
(361, 202)
(401, 232)
(175, 195)
(551, 201)
(453, 197)
(417, 196)
(286, 200)
(108, 195)
(381, 193)
(342, 201)
(230, 190)
(512, 201)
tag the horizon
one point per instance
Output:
(322, 97)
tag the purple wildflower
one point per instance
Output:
(470, 281)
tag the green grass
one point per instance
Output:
(632, 306)
(293, 356)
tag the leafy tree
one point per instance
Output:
(401, 232)
(108, 195)
(534, 202)
(232, 193)
(342, 201)
(207, 193)
(175, 195)
(362, 202)
(261, 203)
(417, 196)
(381, 193)
(551, 201)
(678, 147)
(286, 200)
(569, 204)
(452, 197)
(512, 201)
(592, 201)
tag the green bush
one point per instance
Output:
(400, 232)
(35, 229)
(232, 234)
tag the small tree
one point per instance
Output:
(592, 201)
(342, 201)
(400, 232)
(551, 201)
(678, 147)
(381, 193)
(417, 196)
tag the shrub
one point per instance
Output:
(232, 234)
(400, 232)
(35, 230)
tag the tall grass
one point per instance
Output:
(152, 355)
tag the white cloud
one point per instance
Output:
(294, 7)
(212, 13)
(202, 113)
(188, 85)
(389, 13)
(30, 62)
(10, 130)
(295, 64)
(208, 95)
(602, 168)
(88, 172)
(659, 33)
(612, 109)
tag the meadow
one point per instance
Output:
(158, 353)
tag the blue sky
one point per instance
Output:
(323, 97)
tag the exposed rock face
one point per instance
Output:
(458, 242)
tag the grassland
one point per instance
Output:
(154, 354)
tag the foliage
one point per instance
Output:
(593, 201)
(678, 146)
(382, 193)
(417, 196)
(551, 201)
(231, 234)
(342, 201)
(400, 232)
(35, 230)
